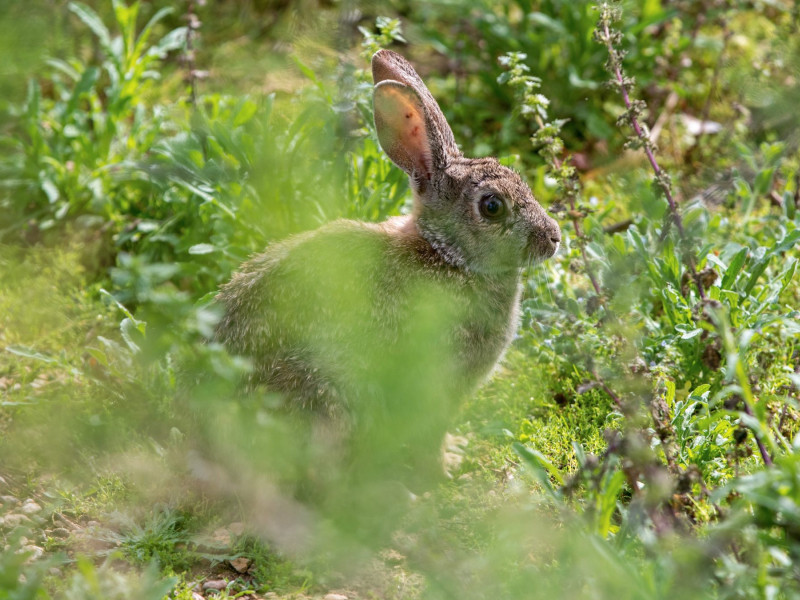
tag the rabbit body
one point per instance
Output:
(324, 313)
(395, 321)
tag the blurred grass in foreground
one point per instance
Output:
(112, 182)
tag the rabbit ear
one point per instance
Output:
(402, 130)
(411, 127)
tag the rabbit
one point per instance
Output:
(394, 323)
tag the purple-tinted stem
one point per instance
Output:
(635, 124)
(761, 448)
(589, 272)
(673, 207)
(617, 400)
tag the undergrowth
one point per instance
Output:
(640, 438)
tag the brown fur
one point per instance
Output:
(362, 321)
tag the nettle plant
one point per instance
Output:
(683, 321)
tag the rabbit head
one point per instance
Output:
(479, 215)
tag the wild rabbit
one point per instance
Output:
(394, 322)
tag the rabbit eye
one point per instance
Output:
(492, 207)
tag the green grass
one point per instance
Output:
(613, 452)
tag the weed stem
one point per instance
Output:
(608, 38)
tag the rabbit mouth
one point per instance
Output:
(538, 249)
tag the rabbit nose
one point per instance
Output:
(554, 233)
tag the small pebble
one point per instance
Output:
(222, 536)
(215, 584)
(196, 596)
(241, 564)
(8, 500)
(59, 532)
(30, 507)
(35, 552)
(236, 528)
(13, 520)
(334, 597)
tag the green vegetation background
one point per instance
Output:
(637, 441)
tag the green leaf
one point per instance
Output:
(669, 396)
(607, 501)
(174, 40)
(306, 70)
(687, 335)
(788, 274)
(547, 22)
(246, 110)
(202, 249)
(127, 327)
(138, 49)
(29, 353)
(788, 205)
(734, 268)
(509, 161)
(540, 464)
(85, 85)
(51, 191)
(139, 324)
(580, 454)
(64, 67)
(93, 21)
(788, 242)
(763, 182)
(756, 272)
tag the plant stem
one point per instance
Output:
(611, 394)
(616, 67)
(761, 448)
(192, 25)
(576, 224)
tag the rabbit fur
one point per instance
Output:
(359, 321)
